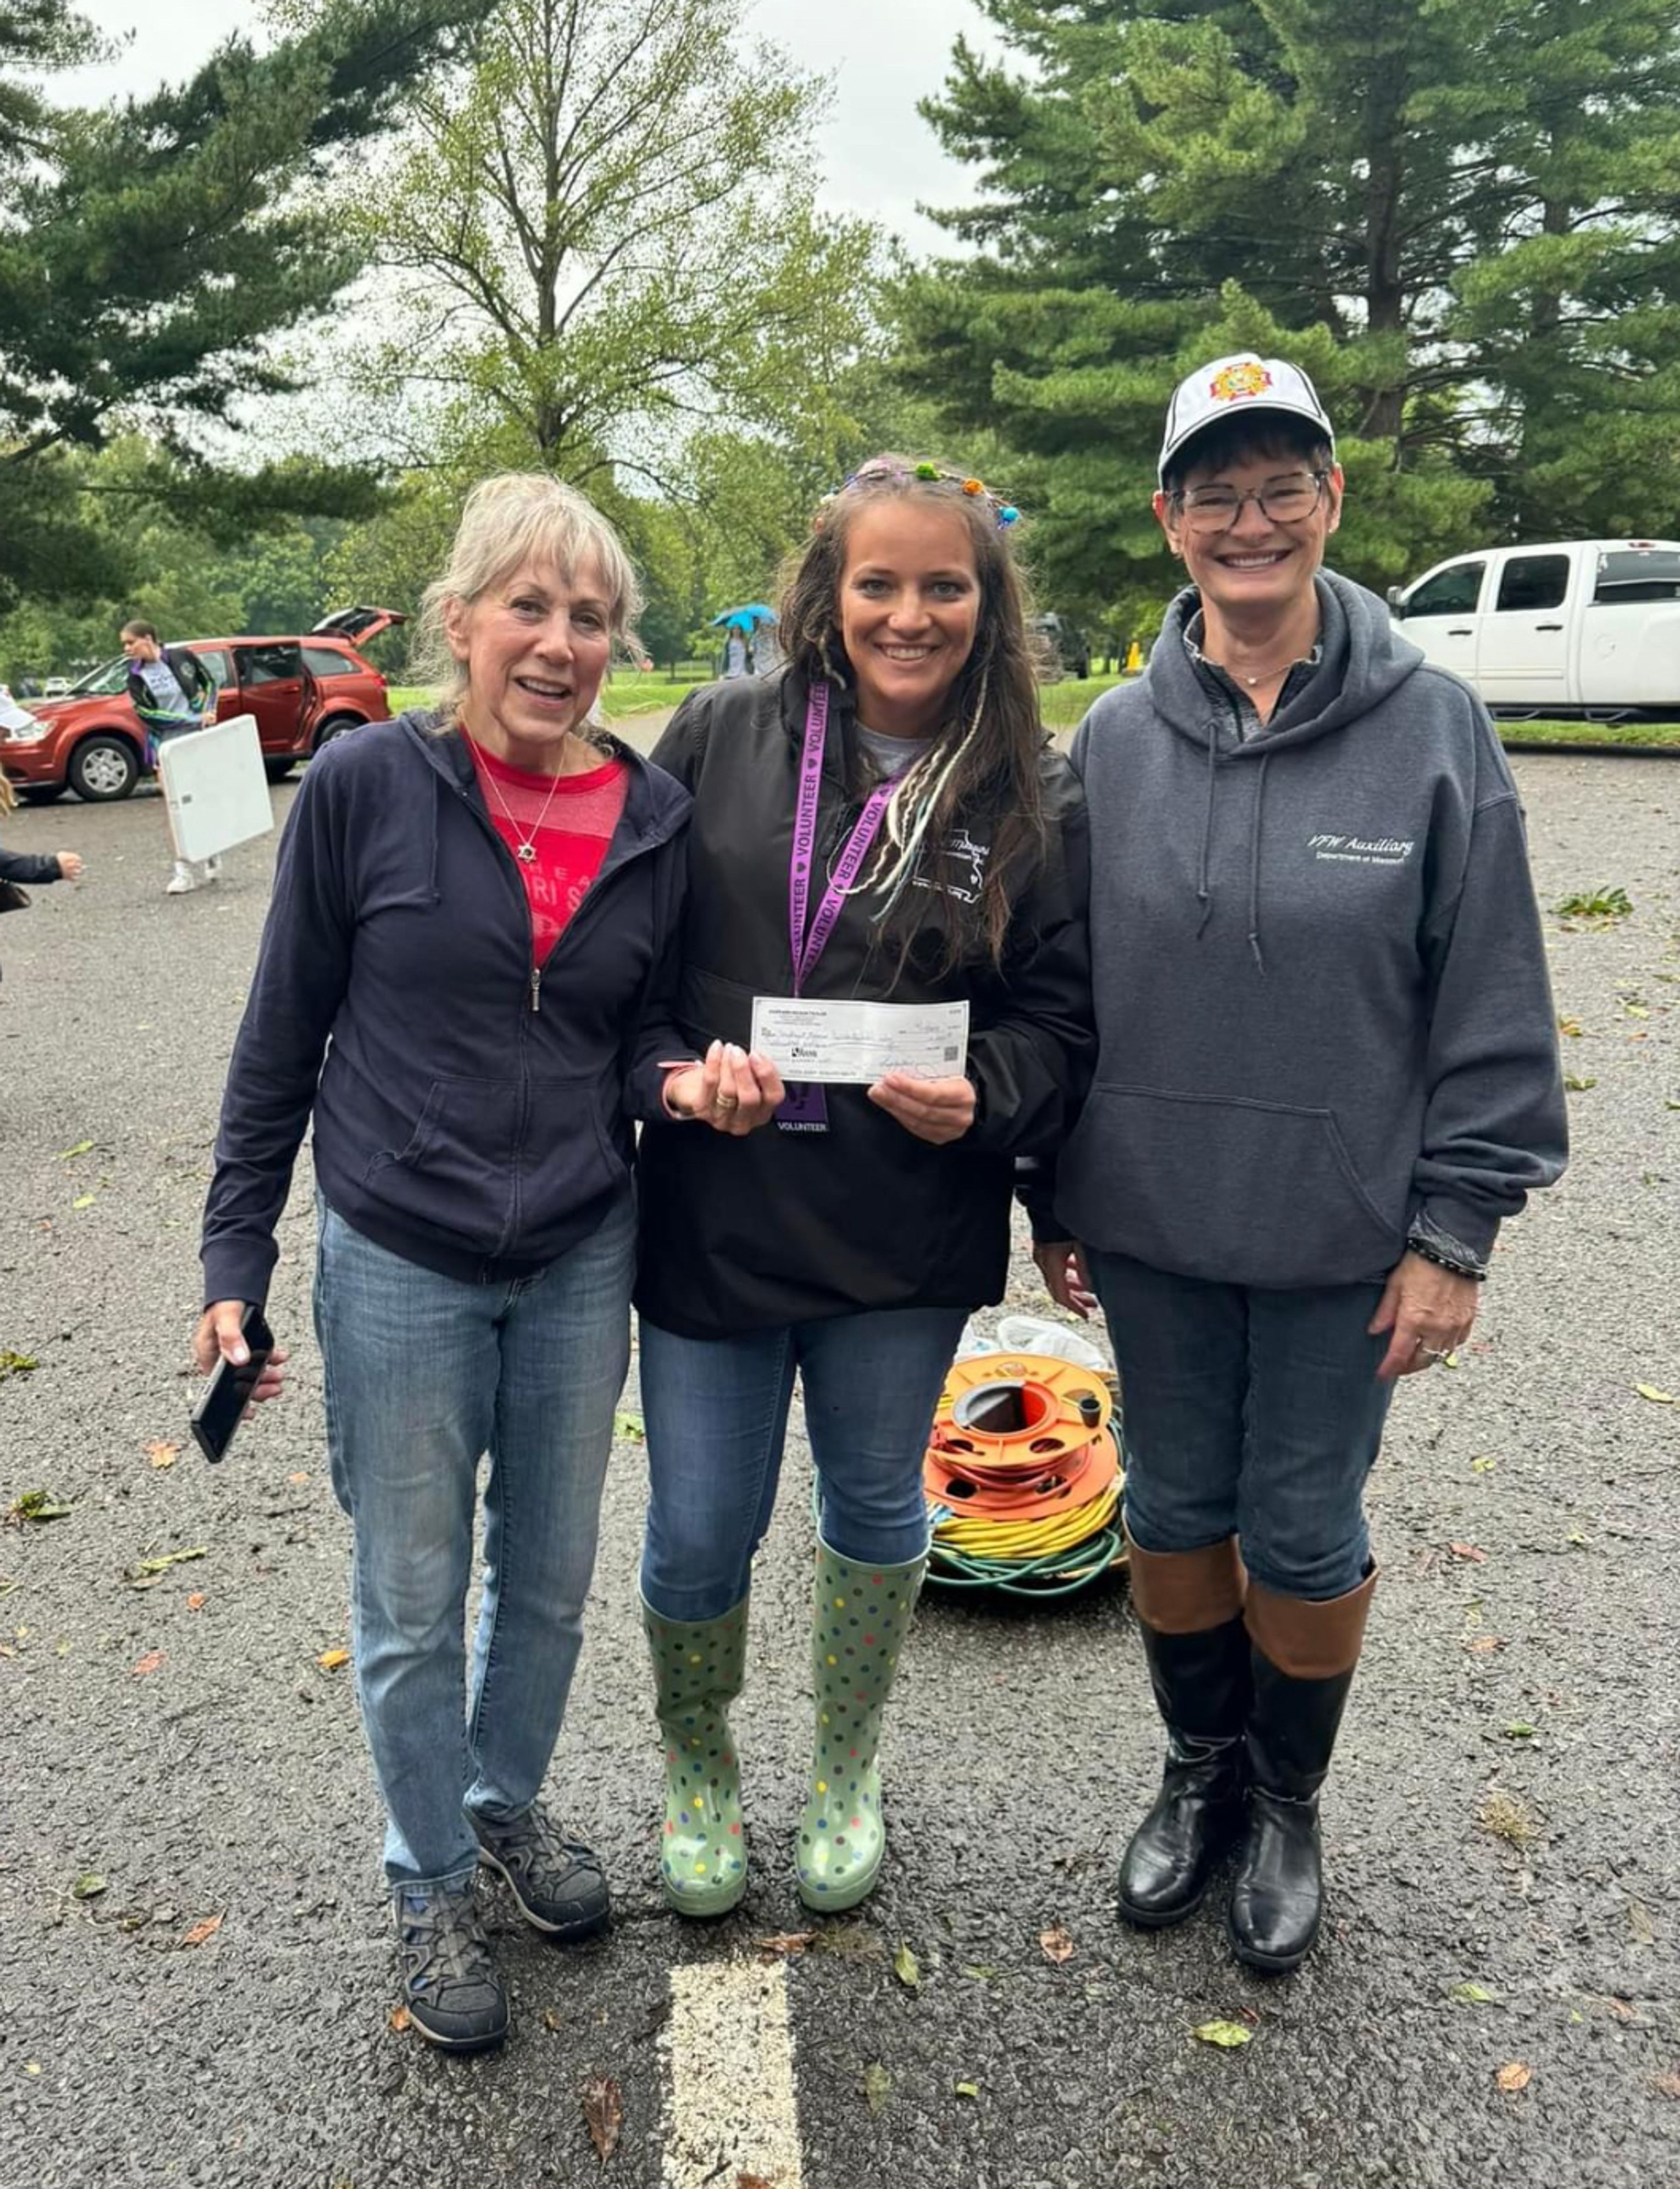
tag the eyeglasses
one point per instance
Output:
(1285, 500)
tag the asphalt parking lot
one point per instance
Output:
(196, 1979)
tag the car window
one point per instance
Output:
(268, 665)
(216, 663)
(1448, 592)
(1629, 575)
(103, 682)
(1533, 581)
(327, 661)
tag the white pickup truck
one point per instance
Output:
(1582, 627)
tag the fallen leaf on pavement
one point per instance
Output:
(753, 2181)
(1639, 1923)
(400, 2019)
(163, 1454)
(1483, 1643)
(631, 1426)
(197, 1600)
(16, 1364)
(82, 1148)
(907, 1968)
(603, 2113)
(333, 1660)
(1055, 1944)
(1667, 2085)
(785, 1941)
(877, 2086)
(88, 1885)
(966, 2090)
(1656, 1397)
(148, 1663)
(200, 1932)
(1520, 1729)
(82, 1201)
(1225, 2033)
(978, 1972)
(1474, 1995)
(1513, 2076)
(148, 1571)
(1469, 1551)
(551, 2021)
(34, 1506)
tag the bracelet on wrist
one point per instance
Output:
(1428, 1250)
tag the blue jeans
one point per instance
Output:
(423, 1375)
(717, 1416)
(1251, 1413)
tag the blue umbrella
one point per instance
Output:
(746, 619)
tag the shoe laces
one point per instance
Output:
(534, 1843)
(443, 1940)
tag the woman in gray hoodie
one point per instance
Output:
(1328, 1072)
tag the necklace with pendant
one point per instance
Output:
(526, 850)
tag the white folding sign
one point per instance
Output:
(216, 791)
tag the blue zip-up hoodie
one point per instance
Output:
(1320, 986)
(473, 1112)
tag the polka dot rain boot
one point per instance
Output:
(698, 1669)
(861, 1615)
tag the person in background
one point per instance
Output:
(473, 907)
(883, 820)
(172, 691)
(24, 867)
(737, 656)
(1328, 1073)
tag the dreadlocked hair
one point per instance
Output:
(982, 765)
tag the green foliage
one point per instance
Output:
(151, 251)
(1458, 214)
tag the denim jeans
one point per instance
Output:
(423, 1375)
(1251, 1413)
(717, 1415)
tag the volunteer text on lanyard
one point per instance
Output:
(806, 1109)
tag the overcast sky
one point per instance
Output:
(879, 155)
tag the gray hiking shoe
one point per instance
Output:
(451, 1987)
(557, 1883)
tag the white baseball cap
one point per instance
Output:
(1243, 382)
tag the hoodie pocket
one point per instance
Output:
(455, 1174)
(1224, 1188)
(567, 1159)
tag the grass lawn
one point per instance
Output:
(627, 692)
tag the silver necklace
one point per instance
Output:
(526, 850)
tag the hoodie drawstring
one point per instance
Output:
(1204, 895)
(1254, 869)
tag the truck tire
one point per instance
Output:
(104, 767)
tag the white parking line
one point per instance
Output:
(729, 2047)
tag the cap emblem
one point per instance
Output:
(1237, 383)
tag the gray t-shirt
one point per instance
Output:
(889, 756)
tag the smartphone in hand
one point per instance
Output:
(221, 1409)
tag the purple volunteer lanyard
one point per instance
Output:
(808, 948)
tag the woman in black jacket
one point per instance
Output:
(884, 821)
(31, 866)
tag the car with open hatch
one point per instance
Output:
(301, 690)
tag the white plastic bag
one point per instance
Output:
(1053, 1341)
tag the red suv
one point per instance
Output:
(301, 691)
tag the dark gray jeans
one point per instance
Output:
(1251, 1413)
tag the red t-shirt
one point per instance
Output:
(567, 820)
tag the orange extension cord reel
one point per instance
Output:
(1019, 1437)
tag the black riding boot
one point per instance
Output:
(1303, 1663)
(1200, 1682)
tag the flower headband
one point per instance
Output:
(883, 470)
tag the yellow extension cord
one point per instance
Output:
(1025, 1539)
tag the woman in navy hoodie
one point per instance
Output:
(471, 910)
(1327, 1073)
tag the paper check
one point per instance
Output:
(852, 1044)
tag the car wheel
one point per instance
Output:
(332, 728)
(103, 768)
(40, 793)
(278, 770)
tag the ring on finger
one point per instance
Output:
(726, 1102)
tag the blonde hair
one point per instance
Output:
(512, 518)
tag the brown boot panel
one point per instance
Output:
(1309, 1641)
(1186, 1591)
